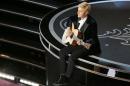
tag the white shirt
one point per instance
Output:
(82, 21)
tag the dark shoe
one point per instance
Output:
(63, 81)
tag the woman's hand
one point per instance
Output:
(79, 42)
(69, 32)
(87, 45)
(75, 31)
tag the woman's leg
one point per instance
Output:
(78, 52)
(64, 57)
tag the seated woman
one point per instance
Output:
(81, 39)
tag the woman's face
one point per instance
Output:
(82, 12)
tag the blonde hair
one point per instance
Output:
(85, 6)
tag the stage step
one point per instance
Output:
(20, 22)
(22, 70)
(21, 37)
(24, 8)
(23, 54)
(50, 3)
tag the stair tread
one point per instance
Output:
(21, 22)
(23, 54)
(22, 70)
(25, 8)
(51, 3)
(21, 37)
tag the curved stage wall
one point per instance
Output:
(113, 18)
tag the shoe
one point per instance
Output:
(63, 81)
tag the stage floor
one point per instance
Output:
(113, 18)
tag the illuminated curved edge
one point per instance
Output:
(94, 64)
(46, 39)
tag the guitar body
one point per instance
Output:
(76, 38)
